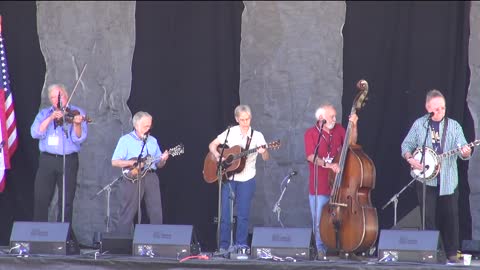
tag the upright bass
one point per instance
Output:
(348, 221)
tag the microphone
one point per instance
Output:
(145, 135)
(293, 173)
(430, 115)
(59, 102)
(321, 123)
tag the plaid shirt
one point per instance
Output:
(448, 165)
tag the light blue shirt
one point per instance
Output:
(448, 166)
(129, 146)
(52, 139)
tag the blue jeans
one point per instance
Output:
(244, 192)
(321, 201)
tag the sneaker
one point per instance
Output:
(221, 252)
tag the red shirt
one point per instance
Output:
(330, 145)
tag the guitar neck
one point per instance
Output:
(248, 152)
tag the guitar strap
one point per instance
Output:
(442, 144)
(249, 139)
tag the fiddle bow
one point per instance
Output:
(67, 112)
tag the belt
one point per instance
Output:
(150, 171)
(57, 155)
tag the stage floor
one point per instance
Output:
(90, 259)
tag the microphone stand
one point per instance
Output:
(139, 158)
(424, 184)
(394, 199)
(315, 177)
(276, 208)
(64, 128)
(219, 179)
(107, 188)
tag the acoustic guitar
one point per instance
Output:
(233, 161)
(133, 173)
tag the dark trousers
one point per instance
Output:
(149, 191)
(49, 175)
(441, 214)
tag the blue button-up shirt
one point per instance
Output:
(52, 139)
(129, 146)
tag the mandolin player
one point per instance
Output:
(440, 134)
(138, 151)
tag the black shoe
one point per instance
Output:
(453, 259)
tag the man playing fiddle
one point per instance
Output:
(56, 139)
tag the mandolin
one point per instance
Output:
(135, 172)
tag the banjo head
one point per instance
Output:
(432, 164)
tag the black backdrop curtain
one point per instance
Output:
(403, 49)
(186, 70)
(27, 74)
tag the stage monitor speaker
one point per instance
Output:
(39, 238)
(169, 241)
(471, 246)
(409, 246)
(411, 221)
(116, 243)
(282, 242)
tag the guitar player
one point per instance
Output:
(441, 198)
(241, 184)
(125, 155)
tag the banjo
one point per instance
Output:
(433, 160)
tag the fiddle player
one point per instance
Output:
(56, 139)
(442, 134)
(332, 136)
(125, 155)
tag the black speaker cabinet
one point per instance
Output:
(169, 241)
(471, 246)
(282, 242)
(409, 246)
(39, 238)
(116, 243)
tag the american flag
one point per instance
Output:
(8, 125)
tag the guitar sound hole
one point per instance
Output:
(228, 160)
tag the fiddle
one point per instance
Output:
(70, 115)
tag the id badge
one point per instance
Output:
(53, 140)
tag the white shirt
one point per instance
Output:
(235, 137)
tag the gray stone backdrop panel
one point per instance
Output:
(102, 35)
(473, 100)
(291, 62)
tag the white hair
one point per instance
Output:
(321, 110)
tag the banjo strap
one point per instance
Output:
(442, 143)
